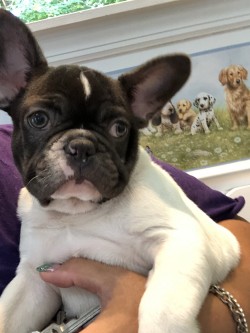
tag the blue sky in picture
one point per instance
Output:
(206, 67)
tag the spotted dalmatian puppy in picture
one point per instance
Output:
(204, 102)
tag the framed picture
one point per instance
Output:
(188, 141)
(180, 138)
(214, 41)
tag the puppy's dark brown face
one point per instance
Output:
(76, 130)
(74, 126)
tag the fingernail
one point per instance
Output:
(47, 268)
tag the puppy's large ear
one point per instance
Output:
(156, 119)
(196, 103)
(244, 72)
(150, 86)
(189, 104)
(223, 76)
(173, 116)
(19, 56)
(212, 100)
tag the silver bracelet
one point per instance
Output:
(236, 310)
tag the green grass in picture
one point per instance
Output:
(186, 151)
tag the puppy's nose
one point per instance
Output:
(80, 149)
(238, 81)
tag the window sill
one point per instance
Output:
(96, 13)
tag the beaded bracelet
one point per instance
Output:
(236, 310)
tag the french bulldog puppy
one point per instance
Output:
(90, 191)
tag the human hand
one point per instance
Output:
(120, 290)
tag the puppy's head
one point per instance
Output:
(233, 76)
(183, 106)
(204, 101)
(169, 111)
(75, 129)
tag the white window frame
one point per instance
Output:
(124, 35)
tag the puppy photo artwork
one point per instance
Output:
(88, 182)
(212, 123)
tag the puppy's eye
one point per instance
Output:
(38, 120)
(205, 98)
(119, 129)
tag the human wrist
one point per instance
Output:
(215, 317)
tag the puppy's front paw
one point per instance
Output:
(178, 131)
(168, 326)
(146, 131)
(162, 318)
(152, 130)
(2, 319)
(234, 128)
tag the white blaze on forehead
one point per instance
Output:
(86, 85)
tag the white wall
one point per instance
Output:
(126, 34)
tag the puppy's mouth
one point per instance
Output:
(203, 107)
(61, 175)
(84, 191)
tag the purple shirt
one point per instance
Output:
(215, 204)
(10, 184)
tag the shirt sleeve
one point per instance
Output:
(10, 184)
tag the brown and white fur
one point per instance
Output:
(167, 120)
(90, 191)
(149, 130)
(237, 94)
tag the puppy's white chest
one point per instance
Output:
(151, 224)
(109, 234)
